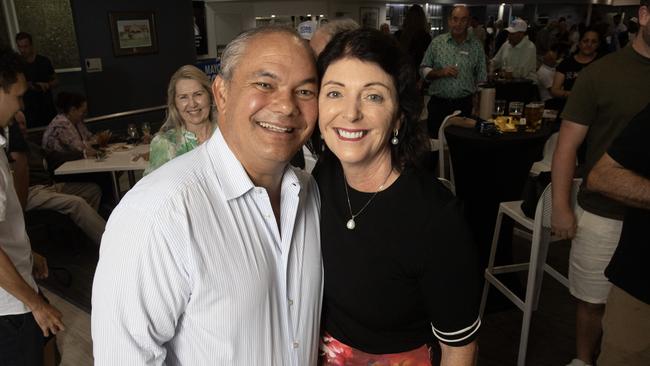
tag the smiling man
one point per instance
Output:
(214, 258)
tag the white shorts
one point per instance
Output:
(591, 250)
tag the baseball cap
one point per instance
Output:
(517, 25)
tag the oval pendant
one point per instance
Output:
(351, 225)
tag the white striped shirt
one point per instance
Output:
(193, 269)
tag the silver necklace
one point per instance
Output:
(351, 224)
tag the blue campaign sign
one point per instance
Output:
(210, 67)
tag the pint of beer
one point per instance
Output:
(533, 113)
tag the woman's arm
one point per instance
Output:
(459, 356)
(557, 90)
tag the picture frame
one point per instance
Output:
(369, 17)
(133, 33)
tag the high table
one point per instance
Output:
(490, 170)
(118, 160)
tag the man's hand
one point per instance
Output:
(40, 270)
(563, 222)
(48, 318)
(449, 71)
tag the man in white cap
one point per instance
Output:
(519, 54)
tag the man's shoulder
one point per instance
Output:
(173, 181)
(441, 39)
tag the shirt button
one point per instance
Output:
(295, 344)
(290, 302)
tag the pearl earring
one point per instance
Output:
(394, 140)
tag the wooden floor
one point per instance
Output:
(550, 344)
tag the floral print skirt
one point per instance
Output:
(335, 353)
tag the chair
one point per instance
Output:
(541, 238)
(544, 165)
(449, 185)
(442, 148)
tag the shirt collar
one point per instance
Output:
(521, 44)
(231, 175)
(450, 39)
(3, 142)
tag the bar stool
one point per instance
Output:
(541, 238)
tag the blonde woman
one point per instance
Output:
(190, 117)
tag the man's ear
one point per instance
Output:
(219, 90)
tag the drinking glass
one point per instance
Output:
(516, 109)
(146, 129)
(499, 108)
(533, 113)
(131, 134)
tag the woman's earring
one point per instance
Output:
(395, 140)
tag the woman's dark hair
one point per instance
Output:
(371, 45)
(415, 23)
(590, 29)
(66, 100)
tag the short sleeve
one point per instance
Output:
(630, 148)
(581, 106)
(427, 60)
(452, 282)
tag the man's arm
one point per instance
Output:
(563, 221)
(613, 180)
(21, 176)
(427, 70)
(140, 289)
(47, 317)
(458, 356)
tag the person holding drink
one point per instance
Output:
(399, 262)
(454, 64)
(190, 117)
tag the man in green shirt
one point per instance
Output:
(454, 64)
(606, 95)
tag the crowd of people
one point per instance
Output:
(224, 253)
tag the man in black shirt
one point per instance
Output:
(39, 105)
(624, 174)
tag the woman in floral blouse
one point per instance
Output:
(67, 132)
(190, 117)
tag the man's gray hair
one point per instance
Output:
(235, 49)
(337, 26)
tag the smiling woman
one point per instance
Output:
(389, 230)
(190, 117)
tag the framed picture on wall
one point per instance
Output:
(133, 33)
(369, 17)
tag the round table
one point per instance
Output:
(490, 170)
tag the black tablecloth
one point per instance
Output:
(490, 170)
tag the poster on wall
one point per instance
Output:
(200, 29)
(133, 33)
(210, 67)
